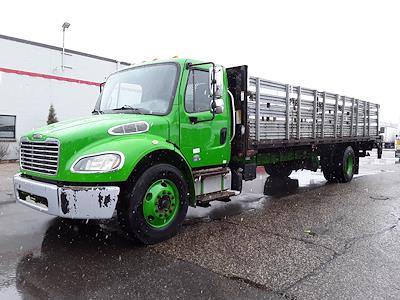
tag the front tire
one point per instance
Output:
(154, 209)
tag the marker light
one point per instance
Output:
(130, 128)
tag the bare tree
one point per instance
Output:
(52, 118)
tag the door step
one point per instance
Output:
(205, 199)
(210, 172)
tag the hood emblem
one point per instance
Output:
(37, 136)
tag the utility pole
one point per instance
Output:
(64, 26)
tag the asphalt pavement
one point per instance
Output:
(306, 240)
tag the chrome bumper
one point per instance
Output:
(74, 202)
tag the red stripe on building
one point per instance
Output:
(46, 76)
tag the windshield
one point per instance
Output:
(146, 89)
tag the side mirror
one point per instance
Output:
(217, 106)
(216, 82)
(102, 86)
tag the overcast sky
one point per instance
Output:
(346, 47)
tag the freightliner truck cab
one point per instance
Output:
(159, 140)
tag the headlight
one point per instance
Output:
(99, 163)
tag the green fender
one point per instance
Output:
(155, 146)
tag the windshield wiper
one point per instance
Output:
(130, 108)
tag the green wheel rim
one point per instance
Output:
(161, 203)
(349, 165)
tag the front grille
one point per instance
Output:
(41, 157)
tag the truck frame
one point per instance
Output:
(178, 133)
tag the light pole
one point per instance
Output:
(64, 26)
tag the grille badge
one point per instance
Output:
(37, 136)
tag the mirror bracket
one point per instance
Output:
(101, 86)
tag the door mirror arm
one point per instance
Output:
(101, 86)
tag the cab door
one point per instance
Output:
(204, 140)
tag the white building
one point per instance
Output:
(32, 78)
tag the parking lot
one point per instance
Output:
(309, 240)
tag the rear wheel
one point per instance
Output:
(278, 170)
(154, 209)
(328, 166)
(339, 165)
(346, 165)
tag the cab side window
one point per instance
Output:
(197, 96)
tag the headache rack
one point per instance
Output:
(280, 114)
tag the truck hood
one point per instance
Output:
(95, 127)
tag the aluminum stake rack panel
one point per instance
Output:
(279, 114)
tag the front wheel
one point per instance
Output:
(154, 209)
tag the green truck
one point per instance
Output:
(167, 135)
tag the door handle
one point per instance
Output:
(223, 135)
(193, 119)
